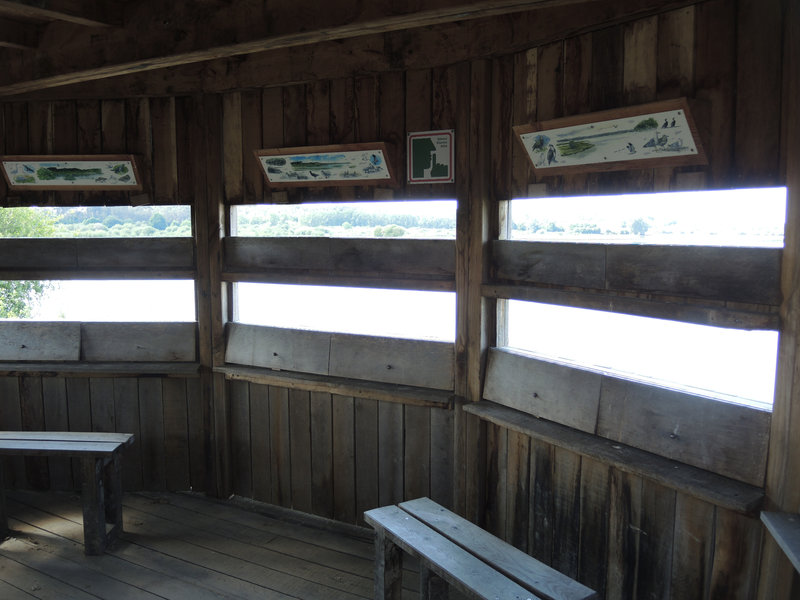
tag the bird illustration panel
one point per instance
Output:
(61, 172)
(351, 164)
(657, 134)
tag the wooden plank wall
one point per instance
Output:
(621, 534)
(337, 456)
(164, 413)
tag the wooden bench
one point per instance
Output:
(454, 552)
(101, 476)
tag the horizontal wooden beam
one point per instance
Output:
(90, 13)
(404, 394)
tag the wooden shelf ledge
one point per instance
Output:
(716, 489)
(389, 392)
(785, 529)
(100, 369)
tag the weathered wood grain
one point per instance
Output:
(31, 340)
(725, 438)
(138, 342)
(548, 390)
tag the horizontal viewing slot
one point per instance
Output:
(326, 257)
(710, 487)
(747, 275)
(97, 342)
(416, 363)
(725, 438)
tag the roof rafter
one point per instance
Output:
(119, 56)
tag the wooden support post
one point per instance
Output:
(94, 518)
(431, 586)
(388, 569)
(3, 513)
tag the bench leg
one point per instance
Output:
(94, 517)
(3, 513)
(113, 497)
(388, 569)
(431, 586)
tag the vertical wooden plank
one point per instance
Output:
(112, 127)
(502, 88)
(624, 531)
(778, 579)
(390, 453)
(126, 411)
(392, 123)
(577, 85)
(593, 557)
(496, 480)
(693, 548)
(640, 60)
(151, 419)
(655, 543)
(221, 435)
(318, 112)
(736, 556)
(88, 138)
(442, 463)
(417, 452)
(715, 76)
(279, 446)
(518, 494)
(549, 81)
(32, 405)
(165, 151)
(540, 520)
(342, 125)
(418, 103)
(176, 434)
(101, 393)
(294, 115)
(260, 442)
(607, 68)
(56, 418)
(232, 162)
(322, 454)
(344, 459)
(11, 420)
(139, 138)
(366, 120)
(241, 466)
(253, 176)
(524, 111)
(676, 48)
(271, 124)
(300, 444)
(566, 512)
(80, 416)
(198, 444)
(366, 460)
(758, 92)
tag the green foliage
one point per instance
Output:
(17, 298)
(645, 124)
(110, 221)
(392, 231)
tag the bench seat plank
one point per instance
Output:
(446, 559)
(67, 436)
(49, 448)
(515, 564)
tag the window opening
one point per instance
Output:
(413, 314)
(746, 217)
(412, 219)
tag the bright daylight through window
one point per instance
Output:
(97, 300)
(414, 314)
(728, 364)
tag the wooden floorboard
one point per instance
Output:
(183, 547)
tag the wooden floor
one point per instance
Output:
(182, 547)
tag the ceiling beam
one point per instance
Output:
(89, 13)
(121, 64)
